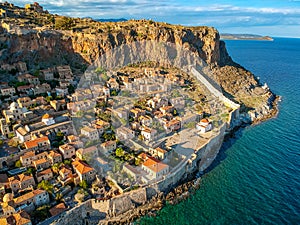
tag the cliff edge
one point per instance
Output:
(41, 40)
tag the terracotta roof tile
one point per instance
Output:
(58, 209)
(34, 143)
(82, 167)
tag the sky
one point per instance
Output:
(277, 18)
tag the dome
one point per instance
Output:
(205, 120)
(8, 197)
(46, 116)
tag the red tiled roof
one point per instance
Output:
(34, 143)
(205, 120)
(58, 209)
(82, 167)
(44, 172)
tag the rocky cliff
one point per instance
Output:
(87, 40)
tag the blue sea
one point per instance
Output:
(256, 177)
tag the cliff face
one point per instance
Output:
(81, 47)
(44, 45)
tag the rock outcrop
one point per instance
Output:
(79, 47)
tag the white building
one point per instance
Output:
(204, 125)
(124, 133)
(148, 133)
(90, 133)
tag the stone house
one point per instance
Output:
(58, 209)
(87, 153)
(8, 91)
(132, 171)
(159, 152)
(41, 143)
(14, 112)
(4, 127)
(16, 218)
(25, 89)
(44, 175)
(60, 91)
(171, 126)
(148, 133)
(41, 89)
(64, 72)
(121, 112)
(81, 94)
(166, 109)
(137, 112)
(47, 74)
(59, 104)
(65, 176)
(28, 78)
(20, 182)
(124, 133)
(68, 151)
(72, 138)
(154, 168)
(84, 171)
(36, 197)
(145, 120)
(81, 106)
(28, 158)
(24, 102)
(22, 134)
(108, 146)
(54, 157)
(90, 132)
(41, 164)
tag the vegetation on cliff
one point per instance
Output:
(42, 40)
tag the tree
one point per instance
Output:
(83, 184)
(36, 73)
(137, 161)
(48, 98)
(113, 93)
(58, 197)
(41, 212)
(67, 162)
(175, 112)
(30, 171)
(59, 136)
(109, 136)
(64, 23)
(127, 157)
(18, 164)
(120, 152)
(79, 113)
(71, 89)
(99, 70)
(46, 185)
(11, 135)
(55, 168)
(104, 116)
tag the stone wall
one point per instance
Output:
(95, 210)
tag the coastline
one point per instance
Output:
(186, 188)
(156, 196)
(147, 200)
